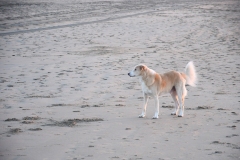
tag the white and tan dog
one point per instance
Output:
(154, 85)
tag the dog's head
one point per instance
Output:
(138, 70)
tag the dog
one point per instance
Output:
(173, 82)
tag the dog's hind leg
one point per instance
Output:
(175, 99)
(145, 96)
(181, 92)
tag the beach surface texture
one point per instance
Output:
(65, 93)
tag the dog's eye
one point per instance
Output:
(135, 69)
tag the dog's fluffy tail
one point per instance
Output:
(191, 74)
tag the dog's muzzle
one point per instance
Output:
(130, 74)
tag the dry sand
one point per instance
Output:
(65, 93)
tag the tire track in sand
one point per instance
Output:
(72, 25)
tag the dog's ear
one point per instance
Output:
(142, 67)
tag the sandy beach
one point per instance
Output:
(65, 93)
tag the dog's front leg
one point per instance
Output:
(157, 107)
(145, 96)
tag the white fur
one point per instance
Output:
(191, 74)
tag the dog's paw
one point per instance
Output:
(155, 117)
(141, 116)
(173, 113)
(180, 114)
